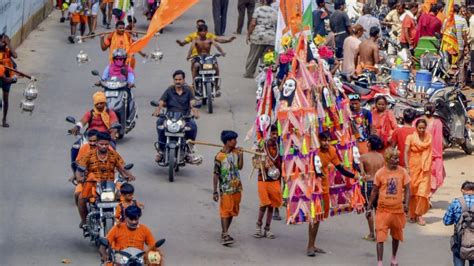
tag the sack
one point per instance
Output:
(464, 232)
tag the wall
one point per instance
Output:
(19, 17)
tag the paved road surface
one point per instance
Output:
(38, 217)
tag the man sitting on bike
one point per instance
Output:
(180, 99)
(203, 46)
(98, 165)
(128, 234)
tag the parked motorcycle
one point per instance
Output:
(130, 256)
(117, 100)
(438, 65)
(451, 108)
(176, 149)
(207, 83)
(101, 208)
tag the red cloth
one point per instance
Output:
(428, 25)
(399, 137)
(97, 122)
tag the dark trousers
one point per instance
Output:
(191, 134)
(241, 6)
(219, 12)
(255, 55)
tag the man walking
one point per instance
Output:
(367, 21)
(340, 25)
(219, 12)
(242, 5)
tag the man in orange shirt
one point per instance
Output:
(116, 40)
(7, 77)
(329, 158)
(392, 186)
(129, 234)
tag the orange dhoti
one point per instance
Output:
(384, 221)
(269, 193)
(230, 205)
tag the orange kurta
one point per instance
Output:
(120, 237)
(116, 41)
(419, 164)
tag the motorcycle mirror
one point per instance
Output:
(154, 103)
(95, 72)
(160, 243)
(103, 242)
(71, 119)
(128, 166)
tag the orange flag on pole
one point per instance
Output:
(168, 11)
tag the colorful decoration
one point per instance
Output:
(310, 103)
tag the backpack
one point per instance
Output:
(462, 242)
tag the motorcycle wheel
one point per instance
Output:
(209, 97)
(468, 145)
(171, 164)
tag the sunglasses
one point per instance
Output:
(353, 97)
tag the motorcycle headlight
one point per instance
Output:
(120, 259)
(173, 127)
(107, 196)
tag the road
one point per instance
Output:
(38, 217)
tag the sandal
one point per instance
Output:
(420, 221)
(276, 217)
(412, 220)
(320, 251)
(268, 234)
(258, 231)
(5, 124)
(227, 240)
(369, 238)
(310, 253)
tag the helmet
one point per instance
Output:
(119, 54)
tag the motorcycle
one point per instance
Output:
(130, 256)
(438, 65)
(101, 208)
(176, 149)
(206, 83)
(451, 109)
(117, 100)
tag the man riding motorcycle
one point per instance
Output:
(128, 234)
(98, 165)
(100, 118)
(177, 98)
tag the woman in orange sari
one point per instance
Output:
(383, 120)
(418, 158)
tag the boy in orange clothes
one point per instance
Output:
(126, 199)
(389, 184)
(227, 164)
(269, 190)
(329, 156)
(77, 9)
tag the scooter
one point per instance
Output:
(117, 93)
(451, 109)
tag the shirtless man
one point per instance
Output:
(368, 55)
(371, 162)
(203, 46)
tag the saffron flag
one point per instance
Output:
(294, 16)
(449, 43)
(168, 11)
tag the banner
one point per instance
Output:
(168, 11)
(449, 43)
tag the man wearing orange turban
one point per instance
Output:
(99, 118)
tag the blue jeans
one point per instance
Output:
(460, 262)
(191, 134)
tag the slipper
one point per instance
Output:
(422, 222)
(227, 240)
(368, 238)
(310, 253)
(412, 220)
(5, 124)
(320, 251)
(276, 217)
